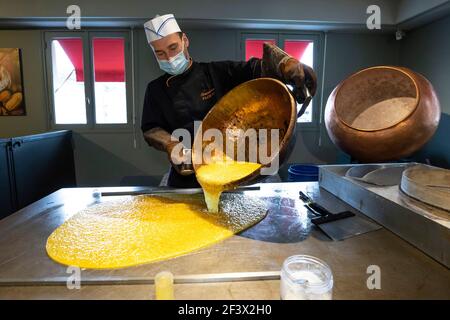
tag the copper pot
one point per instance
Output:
(263, 103)
(382, 113)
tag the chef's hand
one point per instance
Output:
(302, 77)
(180, 158)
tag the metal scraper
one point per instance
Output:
(337, 226)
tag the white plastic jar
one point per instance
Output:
(306, 278)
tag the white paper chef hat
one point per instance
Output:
(160, 26)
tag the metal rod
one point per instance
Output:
(173, 191)
(183, 279)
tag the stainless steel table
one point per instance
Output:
(26, 272)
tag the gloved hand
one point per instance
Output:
(278, 64)
(180, 158)
(301, 77)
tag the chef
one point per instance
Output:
(189, 89)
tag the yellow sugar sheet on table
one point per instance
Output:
(142, 229)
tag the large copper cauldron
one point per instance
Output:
(263, 103)
(382, 113)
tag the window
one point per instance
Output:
(301, 47)
(109, 79)
(87, 79)
(68, 81)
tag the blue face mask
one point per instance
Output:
(175, 65)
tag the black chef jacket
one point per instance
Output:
(173, 102)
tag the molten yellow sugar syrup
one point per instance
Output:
(216, 176)
(129, 231)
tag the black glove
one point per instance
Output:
(278, 64)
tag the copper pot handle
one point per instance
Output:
(305, 103)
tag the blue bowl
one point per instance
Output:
(303, 172)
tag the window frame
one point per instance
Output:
(89, 85)
(280, 37)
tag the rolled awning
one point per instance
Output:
(295, 48)
(109, 58)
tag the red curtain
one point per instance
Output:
(254, 48)
(74, 50)
(296, 48)
(109, 58)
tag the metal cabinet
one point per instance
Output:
(6, 196)
(33, 167)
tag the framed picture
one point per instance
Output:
(12, 99)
